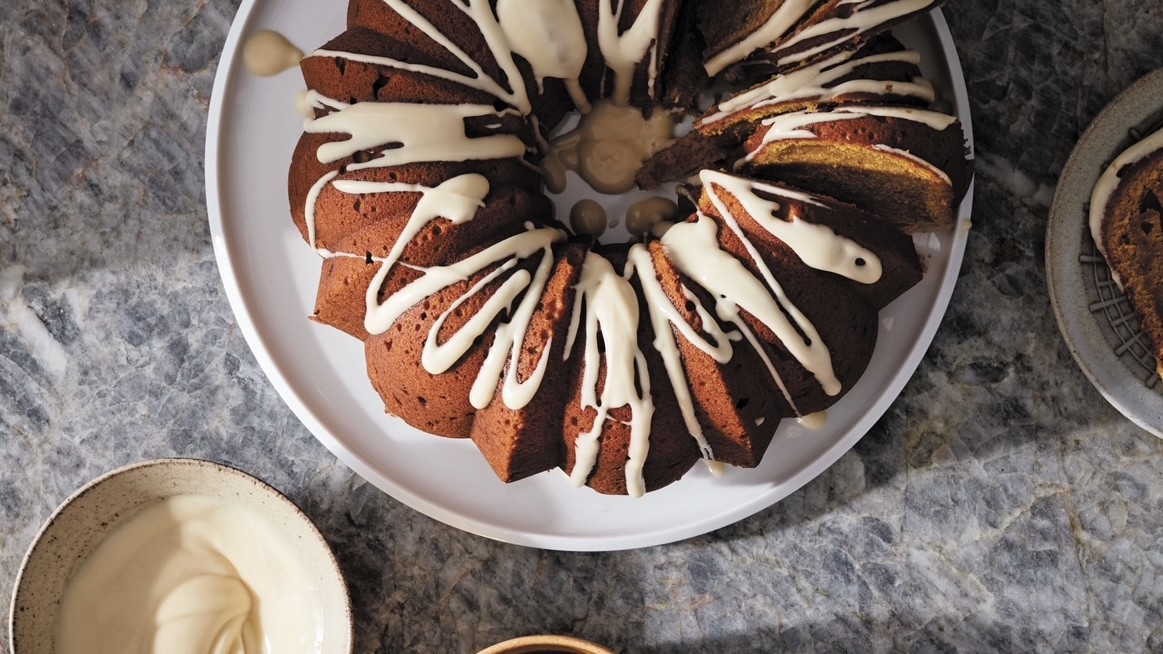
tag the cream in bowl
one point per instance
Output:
(179, 555)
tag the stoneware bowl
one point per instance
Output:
(546, 645)
(84, 519)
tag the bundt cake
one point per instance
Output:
(1126, 222)
(419, 179)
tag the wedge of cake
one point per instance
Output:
(1126, 221)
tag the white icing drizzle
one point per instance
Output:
(816, 81)
(915, 159)
(1109, 181)
(507, 252)
(611, 310)
(865, 16)
(305, 105)
(553, 173)
(816, 245)
(662, 315)
(482, 14)
(312, 199)
(730, 313)
(694, 250)
(457, 200)
(608, 146)
(782, 20)
(549, 35)
(622, 52)
(423, 132)
(509, 340)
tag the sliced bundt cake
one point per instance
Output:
(417, 181)
(779, 35)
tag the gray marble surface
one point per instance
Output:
(1000, 504)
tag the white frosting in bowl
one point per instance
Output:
(179, 555)
(191, 574)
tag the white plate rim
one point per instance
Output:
(1107, 372)
(294, 397)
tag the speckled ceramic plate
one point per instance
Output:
(1099, 326)
(271, 276)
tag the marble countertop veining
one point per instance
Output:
(1000, 504)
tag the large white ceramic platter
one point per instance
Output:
(270, 277)
(1098, 324)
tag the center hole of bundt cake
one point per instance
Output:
(590, 166)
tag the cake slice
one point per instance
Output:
(753, 26)
(908, 166)
(813, 331)
(1126, 222)
(712, 373)
(777, 238)
(621, 417)
(439, 317)
(780, 35)
(527, 402)
(831, 236)
(883, 73)
(839, 26)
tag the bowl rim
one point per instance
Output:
(19, 588)
(523, 644)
